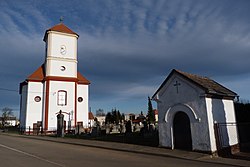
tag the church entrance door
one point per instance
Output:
(182, 131)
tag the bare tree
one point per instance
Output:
(6, 114)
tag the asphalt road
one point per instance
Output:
(18, 152)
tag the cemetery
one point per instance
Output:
(124, 133)
(136, 131)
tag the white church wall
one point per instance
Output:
(56, 67)
(82, 107)
(58, 39)
(54, 108)
(34, 109)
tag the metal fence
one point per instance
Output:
(227, 133)
(52, 130)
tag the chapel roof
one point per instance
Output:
(210, 86)
(60, 28)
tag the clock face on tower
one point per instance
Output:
(63, 49)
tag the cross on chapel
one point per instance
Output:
(177, 84)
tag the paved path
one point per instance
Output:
(66, 152)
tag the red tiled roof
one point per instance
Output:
(91, 116)
(136, 121)
(38, 75)
(156, 111)
(60, 28)
(82, 79)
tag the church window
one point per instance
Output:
(62, 98)
(80, 99)
(63, 68)
(37, 99)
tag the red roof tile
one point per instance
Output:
(59, 28)
(62, 28)
(155, 111)
(91, 116)
(38, 75)
(82, 79)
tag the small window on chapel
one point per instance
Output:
(62, 98)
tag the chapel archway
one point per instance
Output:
(182, 131)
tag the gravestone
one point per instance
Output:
(115, 129)
(79, 128)
(128, 127)
(35, 129)
(137, 128)
(107, 129)
(122, 128)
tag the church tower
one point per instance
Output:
(61, 51)
(56, 85)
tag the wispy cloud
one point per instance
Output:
(126, 48)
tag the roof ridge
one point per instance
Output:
(207, 83)
(196, 75)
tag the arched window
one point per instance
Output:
(62, 98)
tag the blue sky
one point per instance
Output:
(127, 48)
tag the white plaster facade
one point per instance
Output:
(56, 85)
(203, 101)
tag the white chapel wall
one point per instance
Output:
(222, 111)
(211, 124)
(231, 118)
(188, 95)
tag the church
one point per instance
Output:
(56, 85)
(190, 108)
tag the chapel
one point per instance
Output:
(195, 113)
(56, 85)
